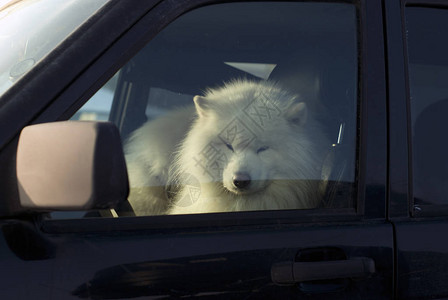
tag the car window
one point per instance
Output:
(240, 107)
(427, 32)
(49, 22)
(99, 105)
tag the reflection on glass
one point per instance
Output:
(30, 29)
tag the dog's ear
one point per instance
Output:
(297, 113)
(202, 106)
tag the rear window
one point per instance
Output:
(427, 32)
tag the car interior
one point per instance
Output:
(204, 48)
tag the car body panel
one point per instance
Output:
(229, 261)
(220, 255)
(421, 248)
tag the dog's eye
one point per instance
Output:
(230, 147)
(262, 149)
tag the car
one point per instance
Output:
(373, 73)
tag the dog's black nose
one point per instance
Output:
(241, 180)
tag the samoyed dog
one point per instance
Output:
(245, 146)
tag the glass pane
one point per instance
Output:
(29, 30)
(243, 107)
(427, 30)
(98, 107)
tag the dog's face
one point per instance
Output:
(239, 168)
(238, 143)
(250, 169)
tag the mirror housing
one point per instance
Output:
(71, 165)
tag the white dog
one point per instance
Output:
(246, 146)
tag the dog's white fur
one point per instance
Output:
(253, 128)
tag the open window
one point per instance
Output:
(240, 107)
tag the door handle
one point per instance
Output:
(285, 273)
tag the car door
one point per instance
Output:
(331, 53)
(418, 181)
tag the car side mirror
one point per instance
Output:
(71, 165)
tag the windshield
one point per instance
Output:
(30, 29)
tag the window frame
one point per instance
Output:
(371, 153)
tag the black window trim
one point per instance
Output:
(372, 142)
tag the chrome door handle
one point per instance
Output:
(291, 272)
